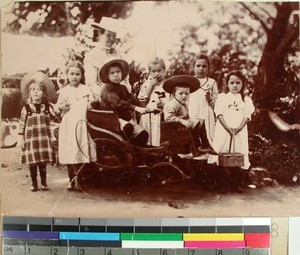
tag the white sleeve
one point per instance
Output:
(249, 108)
(219, 106)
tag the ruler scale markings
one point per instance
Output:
(38, 250)
(13, 250)
(255, 233)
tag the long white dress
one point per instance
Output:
(74, 144)
(199, 108)
(151, 118)
(234, 110)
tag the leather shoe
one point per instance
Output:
(45, 187)
(71, 186)
(34, 188)
(208, 150)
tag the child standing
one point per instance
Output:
(153, 94)
(115, 97)
(203, 100)
(233, 111)
(34, 132)
(176, 110)
(74, 142)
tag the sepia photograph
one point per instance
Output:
(150, 109)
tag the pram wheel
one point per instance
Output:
(165, 173)
(113, 166)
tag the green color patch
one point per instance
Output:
(151, 237)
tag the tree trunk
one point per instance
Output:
(271, 67)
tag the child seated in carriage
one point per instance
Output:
(115, 97)
(176, 110)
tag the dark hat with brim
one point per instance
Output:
(181, 80)
(103, 73)
(38, 77)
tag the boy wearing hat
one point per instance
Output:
(176, 110)
(116, 97)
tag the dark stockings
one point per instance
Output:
(43, 175)
(75, 176)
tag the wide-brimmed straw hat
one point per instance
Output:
(107, 24)
(37, 77)
(181, 80)
(103, 73)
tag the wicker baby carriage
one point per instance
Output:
(231, 159)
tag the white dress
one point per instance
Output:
(234, 110)
(154, 119)
(199, 108)
(74, 143)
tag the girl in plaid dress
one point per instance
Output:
(34, 132)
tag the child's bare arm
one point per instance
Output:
(224, 124)
(241, 126)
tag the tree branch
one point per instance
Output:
(288, 39)
(265, 11)
(256, 17)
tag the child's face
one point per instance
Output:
(235, 84)
(182, 94)
(74, 75)
(201, 68)
(115, 74)
(36, 92)
(157, 72)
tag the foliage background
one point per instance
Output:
(261, 39)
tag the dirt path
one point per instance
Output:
(16, 199)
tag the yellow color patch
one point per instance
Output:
(214, 237)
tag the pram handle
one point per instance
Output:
(155, 111)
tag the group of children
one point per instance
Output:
(191, 101)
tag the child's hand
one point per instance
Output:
(208, 97)
(186, 123)
(141, 110)
(160, 104)
(64, 107)
(153, 82)
(236, 131)
(21, 142)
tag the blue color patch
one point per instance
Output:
(89, 236)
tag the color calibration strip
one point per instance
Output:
(136, 236)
